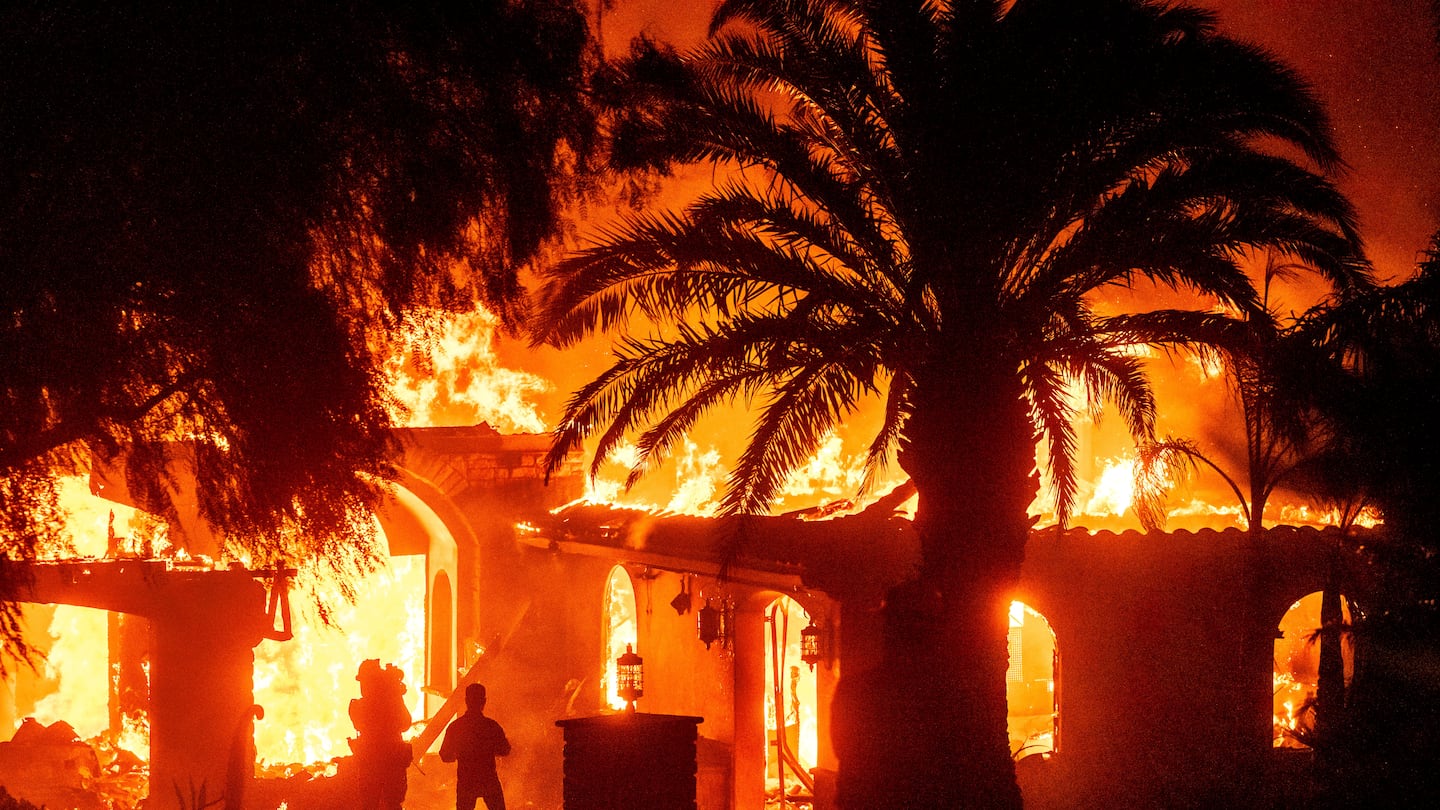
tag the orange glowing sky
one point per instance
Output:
(1372, 61)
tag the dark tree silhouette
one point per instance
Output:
(1374, 741)
(213, 216)
(926, 203)
(1389, 341)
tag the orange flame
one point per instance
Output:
(305, 684)
(449, 374)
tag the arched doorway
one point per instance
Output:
(1033, 718)
(385, 620)
(622, 629)
(1296, 677)
(790, 707)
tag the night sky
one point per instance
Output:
(1373, 62)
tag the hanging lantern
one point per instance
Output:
(711, 623)
(630, 677)
(810, 645)
(681, 602)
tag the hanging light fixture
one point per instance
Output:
(681, 602)
(714, 621)
(630, 677)
(709, 621)
(810, 644)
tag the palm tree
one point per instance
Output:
(924, 203)
(1389, 341)
(1277, 373)
(1384, 452)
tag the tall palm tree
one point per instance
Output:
(925, 203)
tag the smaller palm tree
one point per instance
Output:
(1278, 373)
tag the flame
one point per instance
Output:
(1206, 368)
(700, 474)
(1115, 491)
(305, 684)
(1288, 696)
(1030, 682)
(135, 731)
(321, 660)
(449, 374)
(91, 522)
(1297, 663)
(798, 687)
(829, 474)
(622, 631)
(79, 655)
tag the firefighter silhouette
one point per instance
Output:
(381, 754)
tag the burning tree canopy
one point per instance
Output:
(214, 217)
(929, 203)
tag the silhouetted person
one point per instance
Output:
(381, 754)
(474, 741)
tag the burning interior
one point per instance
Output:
(745, 623)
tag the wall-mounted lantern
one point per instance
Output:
(713, 623)
(630, 677)
(810, 645)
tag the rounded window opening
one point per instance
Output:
(1301, 652)
(442, 671)
(1030, 683)
(621, 629)
(790, 698)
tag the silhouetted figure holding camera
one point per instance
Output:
(381, 754)
(474, 741)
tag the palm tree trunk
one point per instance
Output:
(1330, 690)
(970, 450)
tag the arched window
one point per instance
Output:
(790, 698)
(1297, 666)
(442, 669)
(621, 628)
(1030, 683)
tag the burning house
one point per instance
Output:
(1139, 669)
